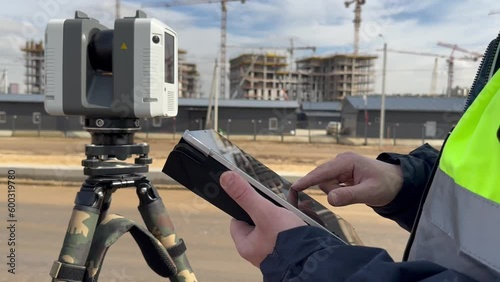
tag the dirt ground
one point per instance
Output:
(43, 211)
(282, 157)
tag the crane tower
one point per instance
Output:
(357, 20)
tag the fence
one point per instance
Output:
(271, 129)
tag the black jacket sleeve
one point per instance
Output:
(312, 254)
(417, 168)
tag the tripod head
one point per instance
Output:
(112, 139)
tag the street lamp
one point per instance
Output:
(382, 106)
(198, 121)
(14, 117)
(228, 127)
(254, 130)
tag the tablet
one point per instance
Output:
(201, 156)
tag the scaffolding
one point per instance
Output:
(261, 76)
(35, 67)
(338, 76)
(188, 77)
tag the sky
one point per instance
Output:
(415, 25)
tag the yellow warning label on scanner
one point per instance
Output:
(124, 46)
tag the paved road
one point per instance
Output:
(43, 214)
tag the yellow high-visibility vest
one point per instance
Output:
(459, 227)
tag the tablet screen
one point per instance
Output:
(268, 178)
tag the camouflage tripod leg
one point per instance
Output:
(158, 221)
(78, 240)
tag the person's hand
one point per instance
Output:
(255, 243)
(350, 178)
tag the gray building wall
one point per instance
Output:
(399, 124)
(236, 120)
(319, 122)
(21, 116)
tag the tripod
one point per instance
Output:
(91, 231)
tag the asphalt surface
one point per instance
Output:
(43, 213)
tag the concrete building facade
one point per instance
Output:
(189, 77)
(317, 79)
(35, 67)
(258, 77)
(336, 77)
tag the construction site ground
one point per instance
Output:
(43, 210)
(290, 157)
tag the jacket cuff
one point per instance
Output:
(416, 168)
(292, 247)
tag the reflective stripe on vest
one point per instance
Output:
(460, 223)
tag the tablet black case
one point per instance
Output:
(200, 174)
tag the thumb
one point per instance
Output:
(349, 195)
(257, 207)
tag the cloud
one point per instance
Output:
(415, 25)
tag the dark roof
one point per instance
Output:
(322, 106)
(22, 98)
(409, 103)
(240, 103)
(321, 114)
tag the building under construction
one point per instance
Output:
(258, 77)
(189, 77)
(336, 77)
(266, 77)
(35, 67)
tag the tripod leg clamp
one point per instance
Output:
(67, 272)
(177, 250)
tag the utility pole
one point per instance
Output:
(365, 99)
(289, 88)
(433, 90)
(357, 20)
(382, 106)
(213, 121)
(223, 51)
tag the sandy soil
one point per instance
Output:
(284, 157)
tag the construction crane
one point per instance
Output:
(451, 61)
(293, 48)
(117, 8)
(357, 20)
(223, 33)
(433, 89)
(5, 82)
(434, 72)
